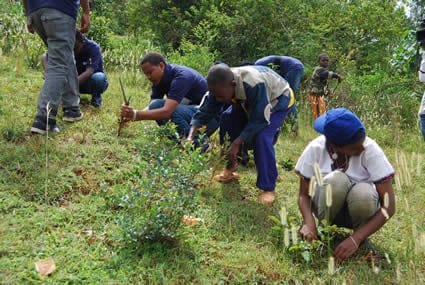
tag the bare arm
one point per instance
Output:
(85, 17)
(83, 77)
(156, 114)
(347, 247)
(29, 26)
(25, 5)
(308, 230)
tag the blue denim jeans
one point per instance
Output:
(95, 85)
(57, 30)
(181, 117)
(423, 125)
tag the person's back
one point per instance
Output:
(181, 83)
(292, 70)
(285, 63)
(69, 7)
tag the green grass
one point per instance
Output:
(234, 245)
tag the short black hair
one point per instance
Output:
(323, 55)
(154, 58)
(79, 37)
(219, 73)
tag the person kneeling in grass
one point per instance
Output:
(259, 101)
(184, 89)
(359, 175)
(89, 62)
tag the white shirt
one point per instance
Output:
(422, 79)
(370, 166)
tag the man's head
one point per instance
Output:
(343, 129)
(221, 83)
(324, 60)
(80, 39)
(153, 66)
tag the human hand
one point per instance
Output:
(232, 154)
(127, 112)
(85, 23)
(30, 28)
(340, 78)
(345, 249)
(309, 232)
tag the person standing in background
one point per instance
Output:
(55, 23)
(318, 85)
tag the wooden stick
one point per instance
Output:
(121, 121)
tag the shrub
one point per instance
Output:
(195, 56)
(16, 40)
(159, 191)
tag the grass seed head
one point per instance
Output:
(329, 195)
(318, 174)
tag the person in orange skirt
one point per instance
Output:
(318, 85)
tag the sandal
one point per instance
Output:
(227, 176)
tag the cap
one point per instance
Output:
(340, 126)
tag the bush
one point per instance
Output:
(159, 191)
(17, 41)
(125, 53)
(195, 56)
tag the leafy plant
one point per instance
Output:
(160, 190)
(288, 231)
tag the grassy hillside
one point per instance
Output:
(56, 201)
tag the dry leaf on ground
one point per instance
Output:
(191, 221)
(45, 266)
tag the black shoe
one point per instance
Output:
(39, 126)
(72, 115)
(96, 101)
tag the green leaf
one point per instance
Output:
(274, 219)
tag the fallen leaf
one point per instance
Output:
(45, 266)
(88, 232)
(191, 221)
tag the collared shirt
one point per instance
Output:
(90, 55)
(371, 166)
(259, 90)
(69, 7)
(285, 63)
(180, 82)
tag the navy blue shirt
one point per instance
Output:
(285, 63)
(69, 7)
(90, 55)
(180, 82)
